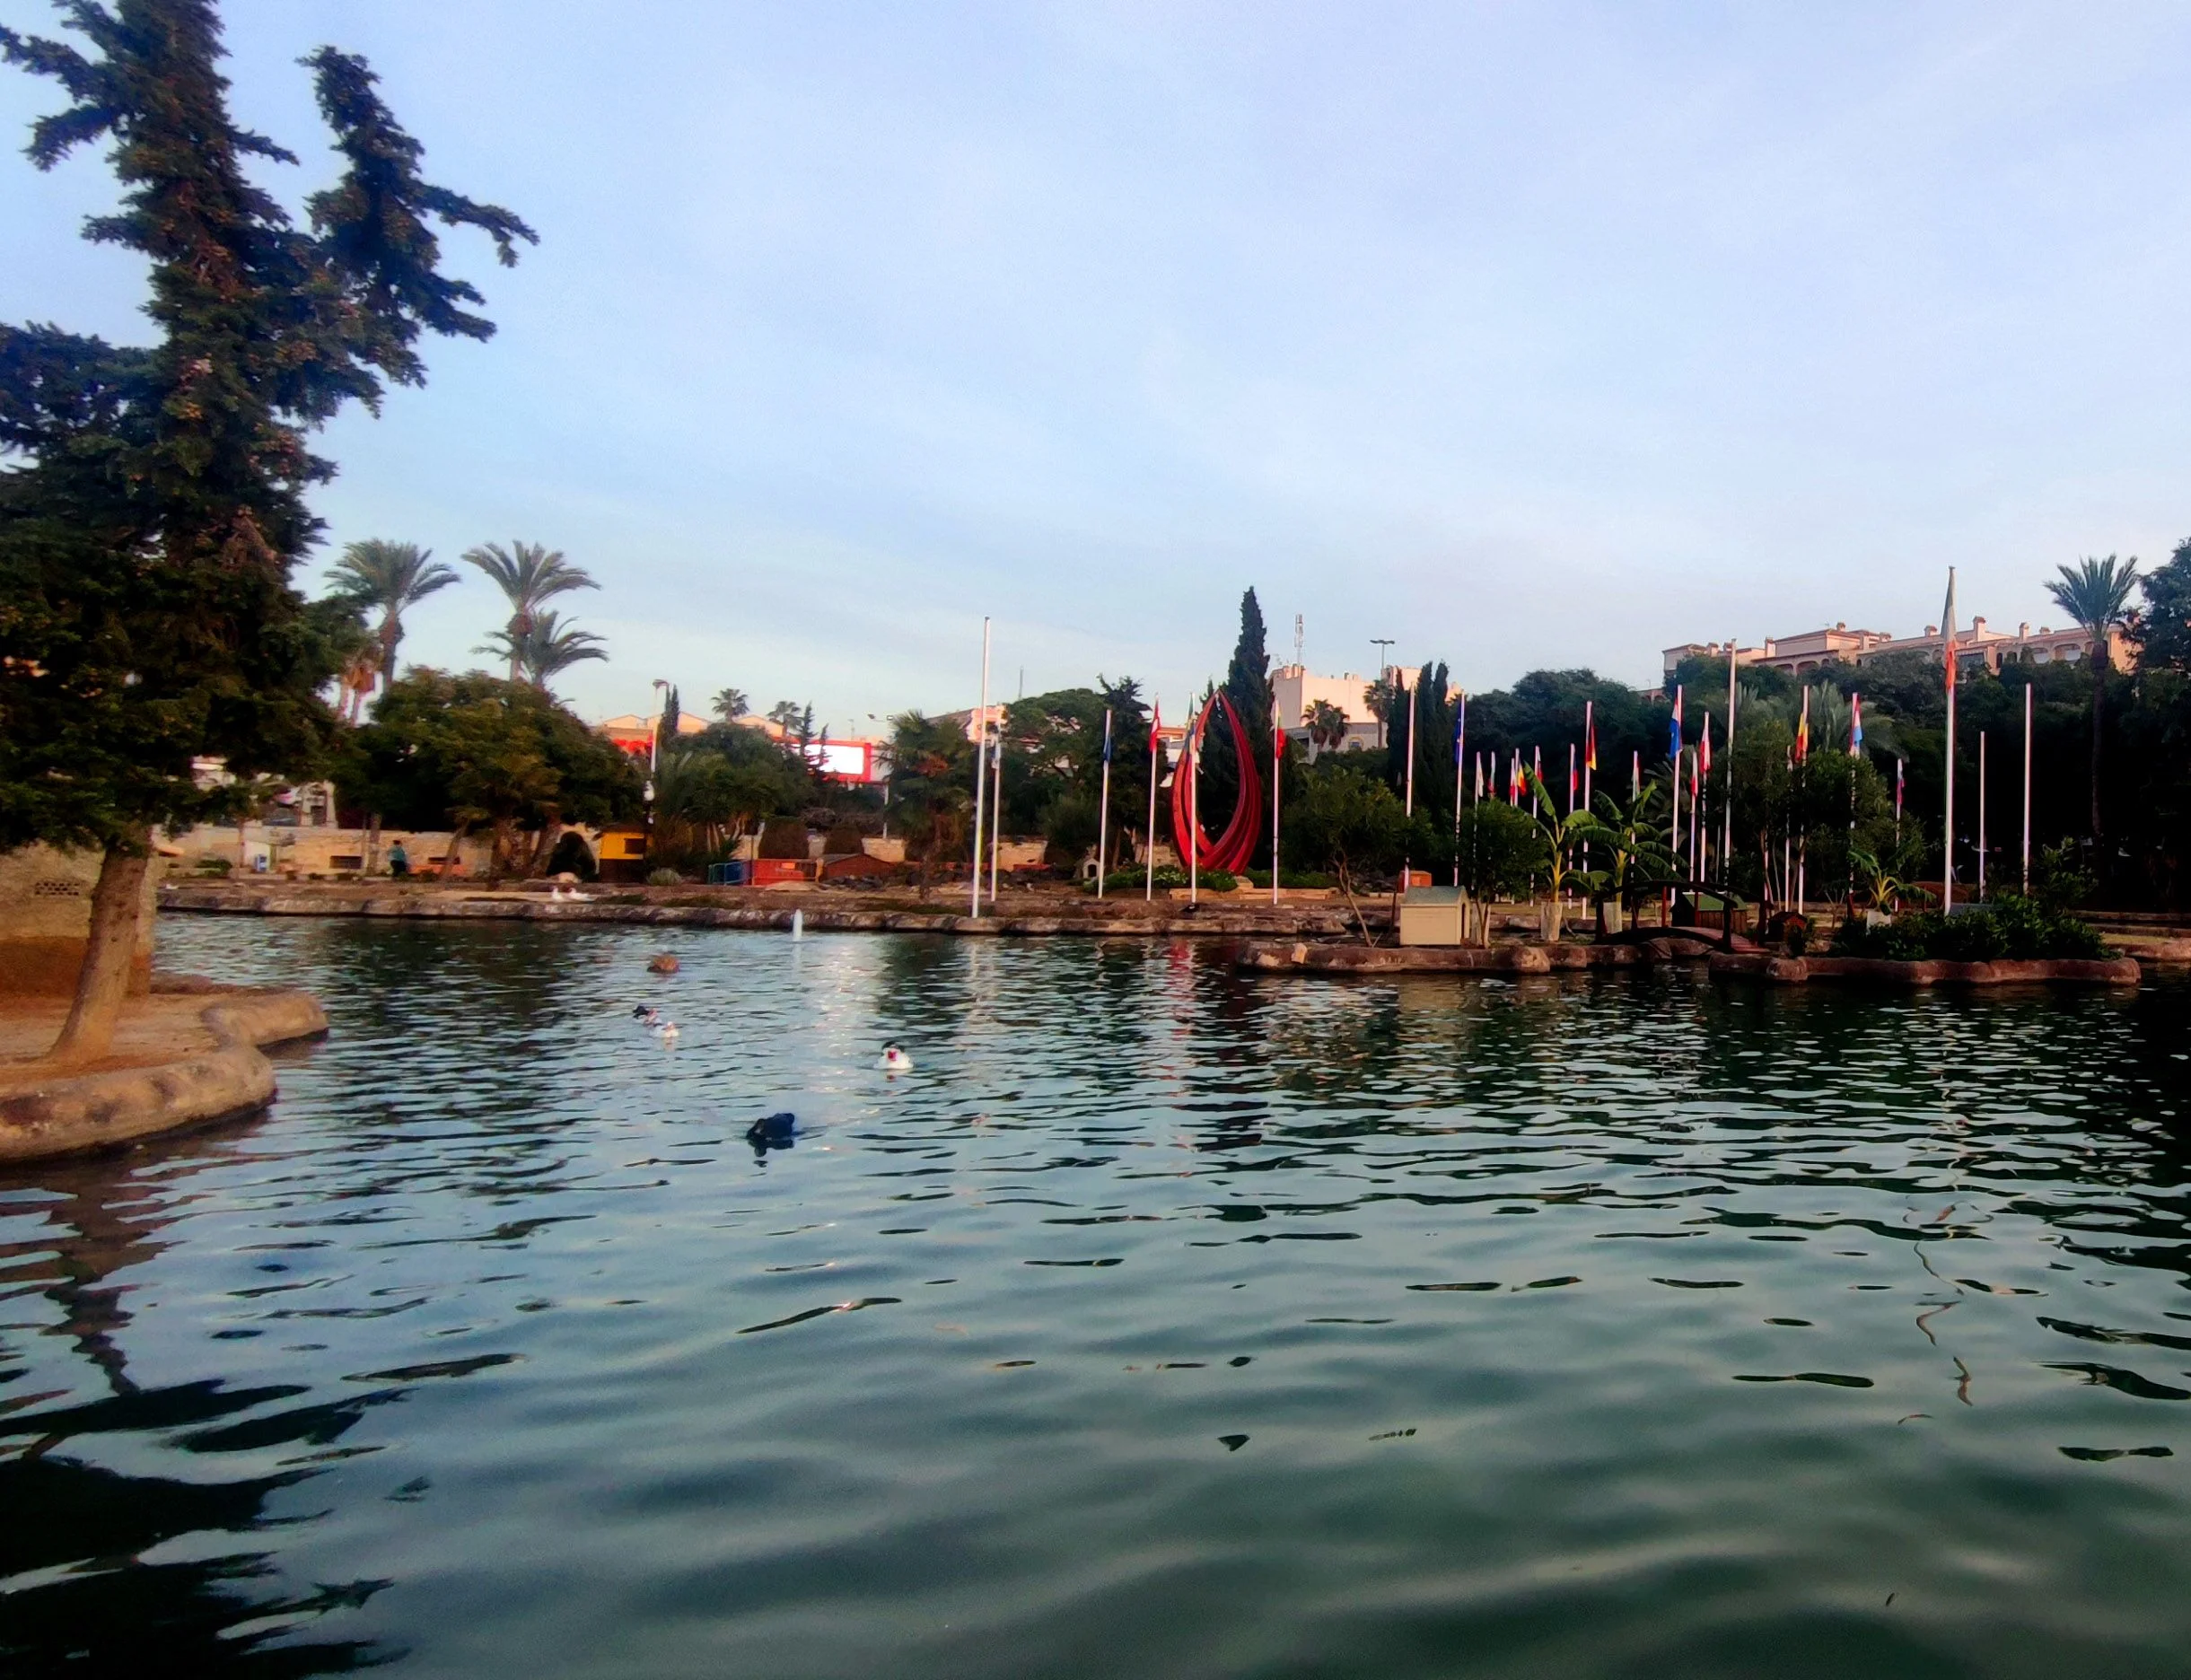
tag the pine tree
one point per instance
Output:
(150, 527)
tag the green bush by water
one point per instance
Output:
(2011, 926)
(1120, 881)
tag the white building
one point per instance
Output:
(1976, 645)
(1296, 693)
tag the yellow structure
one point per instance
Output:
(1434, 915)
(46, 918)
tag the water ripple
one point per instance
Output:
(1561, 1326)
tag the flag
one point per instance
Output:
(1899, 765)
(1856, 725)
(1802, 731)
(1106, 734)
(1589, 735)
(1572, 780)
(1947, 630)
(1156, 727)
(1460, 725)
(1704, 745)
(1695, 770)
(1673, 738)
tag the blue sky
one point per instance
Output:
(1526, 336)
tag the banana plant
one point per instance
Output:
(1633, 838)
(1875, 888)
(1563, 837)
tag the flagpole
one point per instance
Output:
(1803, 850)
(981, 778)
(1727, 845)
(1695, 792)
(2027, 873)
(1277, 760)
(1981, 816)
(1411, 754)
(1947, 649)
(1673, 778)
(1194, 812)
(1103, 811)
(1460, 777)
(1590, 760)
(1156, 722)
(997, 812)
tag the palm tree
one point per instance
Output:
(544, 650)
(386, 578)
(2096, 595)
(1326, 727)
(530, 574)
(731, 704)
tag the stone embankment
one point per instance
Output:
(188, 1054)
(1877, 971)
(1299, 956)
(1069, 914)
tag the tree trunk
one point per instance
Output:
(117, 910)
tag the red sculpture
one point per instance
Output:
(1231, 850)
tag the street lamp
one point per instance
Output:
(1383, 644)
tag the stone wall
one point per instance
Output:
(307, 851)
(46, 916)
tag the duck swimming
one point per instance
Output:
(895, 1060)
(667, 1032)
(646, 1014)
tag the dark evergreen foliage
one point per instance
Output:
(154, 507)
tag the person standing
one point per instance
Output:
(398, 861)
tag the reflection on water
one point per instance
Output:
(1162, 1321)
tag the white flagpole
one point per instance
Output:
(1981, 816)
(1727, 793)
(1103, 811)
(981, 766)
(1411, 751)
(1673, 838)
(1695, 798)
(1148, 890)
(1947, 649)
(1460, 778)
(2027, 787)
(1277, 748)
(997, 811)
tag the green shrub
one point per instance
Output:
(1305, 879)
(664, 878)
(2011, 926)
(211, 865)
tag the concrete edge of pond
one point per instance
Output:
(1213, 918)
(1299, 956)
(1878, 971)
(225, 1076)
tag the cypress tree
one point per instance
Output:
(155, 509)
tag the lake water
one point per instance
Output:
(1162, 1322)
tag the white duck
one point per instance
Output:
(895, 1060)
(667, 1032)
